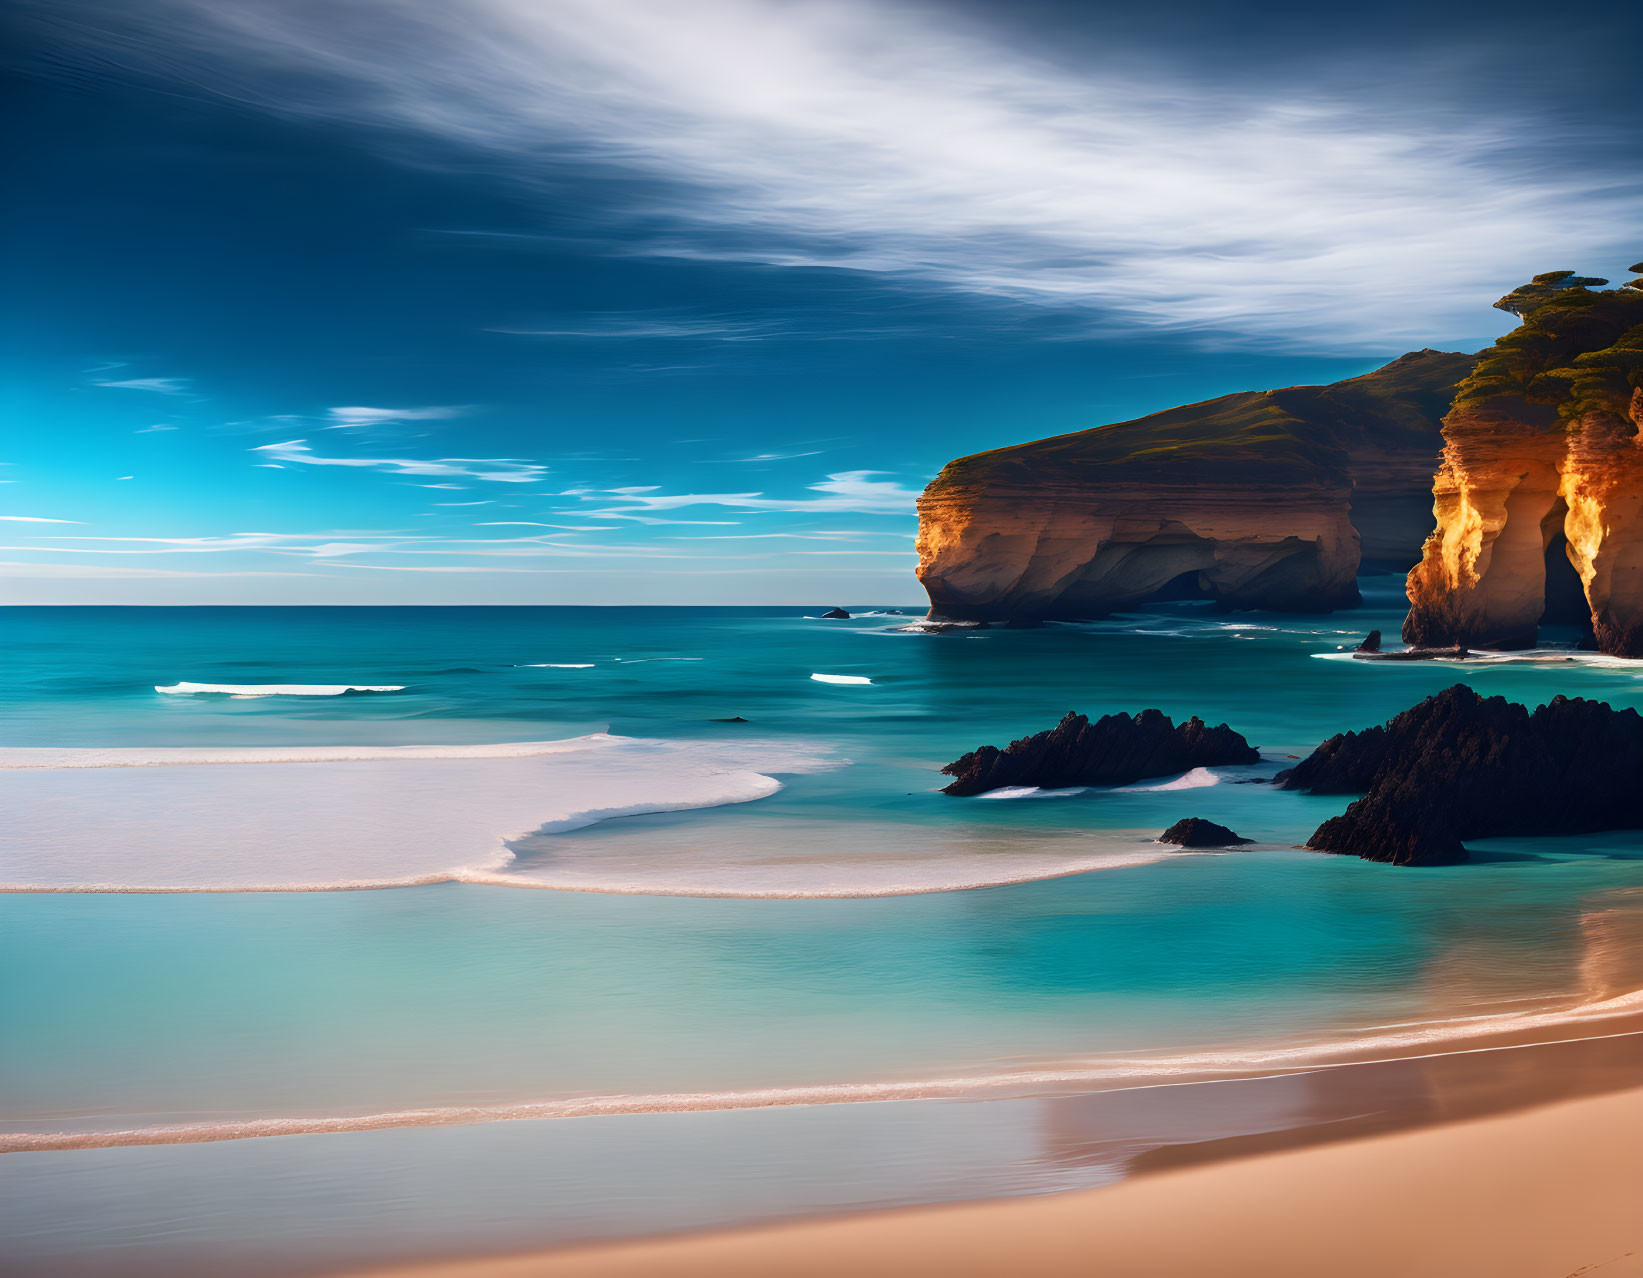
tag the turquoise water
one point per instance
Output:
(228, 1007)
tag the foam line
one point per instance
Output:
(1426, 1040)
(161, 756)
(276, 689)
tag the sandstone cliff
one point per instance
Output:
(1539, 496)
(1264, 499)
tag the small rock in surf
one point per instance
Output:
(1195, 832)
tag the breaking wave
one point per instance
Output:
(1197, 779)
(1030, 792)
(274, 689)
(1559, 657)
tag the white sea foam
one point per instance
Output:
(12, 757)
(275, 689)
(172, 821)
(805, 864)
(835, 678)
(1463, 1034)
(555, 665)
(1197, 779)
(1030, 792)
(1561, 658)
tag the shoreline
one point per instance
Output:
(1527, 1165)
(1616, 1018)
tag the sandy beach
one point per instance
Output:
(1525, 1162)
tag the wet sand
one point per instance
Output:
(1502, 1161)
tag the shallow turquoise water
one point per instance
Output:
(125, 1010)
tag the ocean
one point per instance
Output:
(658, 914)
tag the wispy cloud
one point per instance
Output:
(21, 569)
(502, 470)
(149, 430)
(35, 519)
(626, 327)
(855, 491)
(769, 457)
(157, 385)
(376, 419)
(321, 545)
(904, 139)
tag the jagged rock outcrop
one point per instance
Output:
(1267, 499)
(1459, 766)
(835, 614)
(1539, 497)
(1195, 832)
(1115, 750)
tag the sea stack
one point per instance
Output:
(1539, 496)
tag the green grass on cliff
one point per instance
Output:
(1579, 347)
(1296, 435)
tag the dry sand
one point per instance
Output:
(1553, 1190)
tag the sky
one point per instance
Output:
(640, 301)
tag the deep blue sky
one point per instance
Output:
(596, 301)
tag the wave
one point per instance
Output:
(1561, 657)
(1197, 779)
(818, 875)
(1031, 792)
(1362, 1047)
(179, 821)
(554, 665)
(274, 689)
(843, 679)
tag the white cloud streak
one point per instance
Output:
(896, 138)
(502, 470)
(377, 418)
(158, 385)
(854, 491)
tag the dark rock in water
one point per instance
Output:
(1459, 766)
(1115, 750)
(836, 614)
(733, 719)
(1195, 832)
(1415, 654)
(1371, 643)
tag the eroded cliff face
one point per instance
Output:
(1539, 495)
(1264, 499)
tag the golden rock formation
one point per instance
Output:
(1265, 499)
(1539, 495)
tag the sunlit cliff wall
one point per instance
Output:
(1538, 497)
(1268, 499)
